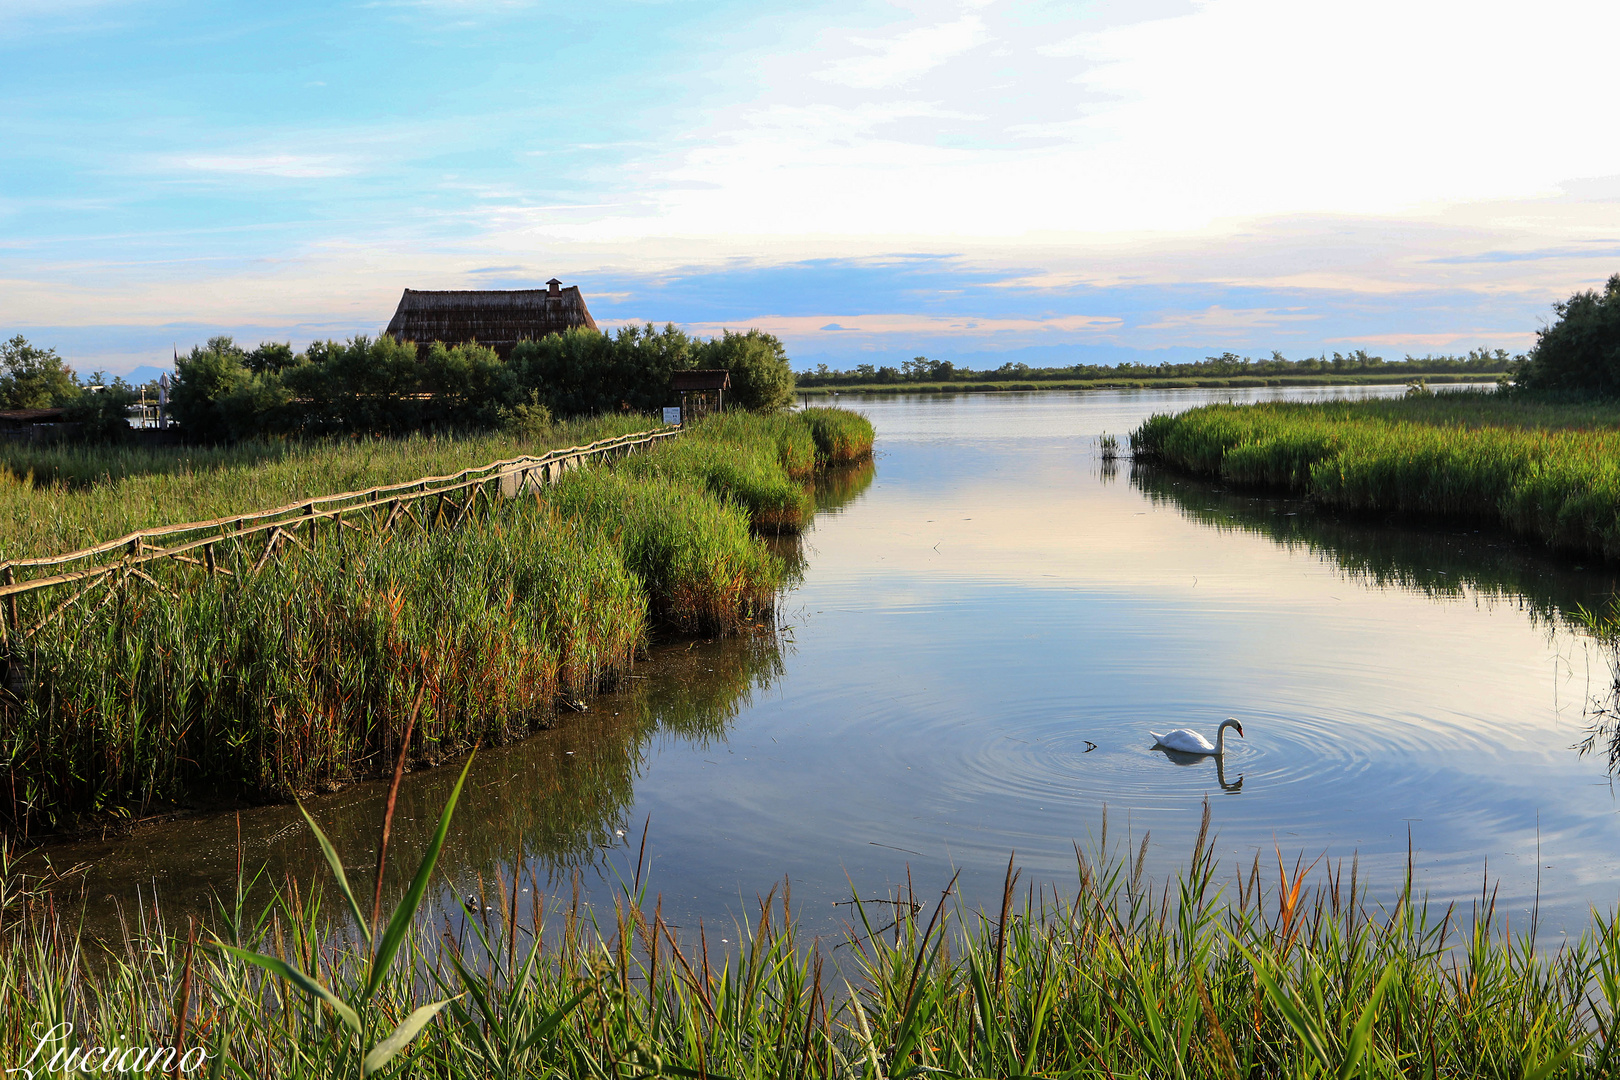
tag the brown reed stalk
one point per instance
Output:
(388, 812)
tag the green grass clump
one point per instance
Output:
(1265, 978)
(264, 684)
(1547, 471)
(703, 570)
(795, 444)
(842, 437)
(60, 498)
(749, 475)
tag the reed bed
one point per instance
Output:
(1217, 972)
(60, 498)
(744, 468)
(285, 674)
(308, 671)
(842, 437)
(703, 570)
(1543, 470)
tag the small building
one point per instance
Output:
(701, 391)
(33, 425)
(499, 318)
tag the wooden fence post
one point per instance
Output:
(12, 625)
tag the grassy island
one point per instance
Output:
(1546, 470)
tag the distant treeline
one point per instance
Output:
(384, 386)
(36, 378)
(923, 370)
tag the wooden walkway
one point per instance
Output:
(439, 498)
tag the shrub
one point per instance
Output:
(761, 378)
(1580, 353)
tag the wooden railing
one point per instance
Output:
(196, 542)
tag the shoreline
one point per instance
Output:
(1235, 382)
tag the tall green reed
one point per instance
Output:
(274, 682)
(1214, 972)
(1535, 468)
(842, 436)
(60, 498)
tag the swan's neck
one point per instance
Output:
(1220, 739)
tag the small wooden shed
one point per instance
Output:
(700, 391)
(33, 425)
(499, 318)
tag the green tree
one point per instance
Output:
(1580, 353)
(34, 378)
(217, 398)
(761, 378)
(583, 371)
(102, 409)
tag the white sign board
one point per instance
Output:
(672, 414)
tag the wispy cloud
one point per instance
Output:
(1216, 317)
(292, 166)
(1450, 340)
(816, 326)
(897, 60)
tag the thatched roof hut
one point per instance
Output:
(700, 379)
(499, 318)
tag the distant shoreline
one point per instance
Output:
(1232, 382)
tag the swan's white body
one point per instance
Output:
(1188, 741)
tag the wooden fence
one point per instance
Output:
(196, 542)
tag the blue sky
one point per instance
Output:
(1046, 182)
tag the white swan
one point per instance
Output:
(1188, 741)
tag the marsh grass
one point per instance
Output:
(60, 498)
(288, 673)
(1217, 972)
(264, 684)
(695, 555)
(842, 437)
(1546, 471)
(740, 468)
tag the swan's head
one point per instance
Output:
(1232, 720)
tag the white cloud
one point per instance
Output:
(1243, 125)
(900, 59)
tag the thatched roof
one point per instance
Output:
(499, 318)
(11, 417)
(717, 379)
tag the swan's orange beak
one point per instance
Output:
(1240, 731)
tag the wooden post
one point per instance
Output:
(12, 625)
(208, 559)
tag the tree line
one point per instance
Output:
(384, 386)
(923, 370)
(32, 377)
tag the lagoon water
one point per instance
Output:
(990, 620)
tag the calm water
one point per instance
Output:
(989, 623)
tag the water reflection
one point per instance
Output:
(1442, 562)
(553, 802)
(1186, 760)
